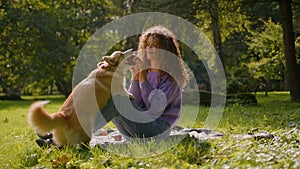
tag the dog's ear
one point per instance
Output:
(104, 57)
(112, 60)
(105, 66)
(99, 64)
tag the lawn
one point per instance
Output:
(274, 114)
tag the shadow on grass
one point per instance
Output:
(27, 100)
(192, 150)
(188, 151)
(66, 157)
(183, 148)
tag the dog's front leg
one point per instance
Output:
(131, 96)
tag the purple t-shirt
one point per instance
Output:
(151, 91)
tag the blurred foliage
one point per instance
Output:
(41, 40)
(265, 52)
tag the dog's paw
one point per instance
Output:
(45, 136)
(131, 97)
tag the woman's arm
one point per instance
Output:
(136, 91)
(167, 86)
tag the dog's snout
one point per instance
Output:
(128, 52)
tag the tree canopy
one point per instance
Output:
(41, 40)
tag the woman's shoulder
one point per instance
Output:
(162, 77)
(168, 79)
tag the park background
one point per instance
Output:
(258, 43)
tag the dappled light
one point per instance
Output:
(214, 83)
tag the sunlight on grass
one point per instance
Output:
(274, 114)
(281, 96)
(192, 116)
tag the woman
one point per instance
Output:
(159, 73)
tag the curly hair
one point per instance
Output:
(167, 42)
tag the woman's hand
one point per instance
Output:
(139, 70)
(134, 72)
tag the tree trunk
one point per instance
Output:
(11, 93)
(64, 87)
(214, 13)
(292, 69)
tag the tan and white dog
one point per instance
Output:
(74, 122)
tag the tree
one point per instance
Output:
(216, 29)
(40, 40)
(14, 58)
(292, 68)
(265, 56)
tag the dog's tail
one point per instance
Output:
(40, 119)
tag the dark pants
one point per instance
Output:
(128, 127)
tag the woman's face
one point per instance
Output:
(152, 46)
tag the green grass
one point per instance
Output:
(274, 114)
